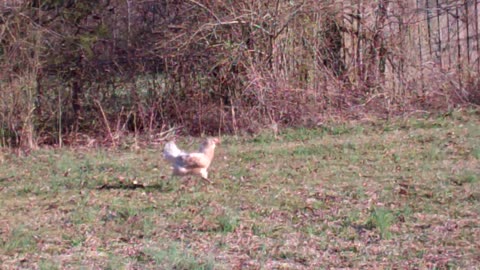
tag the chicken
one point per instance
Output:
(191, 163)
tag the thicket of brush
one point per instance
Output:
(107, 68)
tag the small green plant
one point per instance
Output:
(25, 190)
(227, 223)
(340, 130)
(264, 138)
(77, 241)
(82, 213)
(20, 240)
(381, 219)
(467, 177)
(176, 258)
(476, 152)
(117, 262)
(48, 265)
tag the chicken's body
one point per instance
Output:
(191, 163)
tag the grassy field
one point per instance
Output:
(392, 195)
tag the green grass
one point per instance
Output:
(384, 195)
(381, 219)
(174, 257)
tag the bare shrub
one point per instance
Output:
(21, 40)
(71, 70)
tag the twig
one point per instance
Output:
(106, 122)
(207, 180)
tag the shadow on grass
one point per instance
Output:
(133, 186)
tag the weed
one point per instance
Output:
(20, 240)
(227, 223)
(340, 130)
(476, 152)
(381, 219)
(48, 265)
(264, 139)
(467, 177)
(175, 257)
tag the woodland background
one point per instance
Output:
(73, 70)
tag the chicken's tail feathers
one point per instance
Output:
(171, 151)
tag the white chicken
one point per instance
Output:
(195, 163)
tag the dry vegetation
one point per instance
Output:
(112, 68)
(385, 195)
